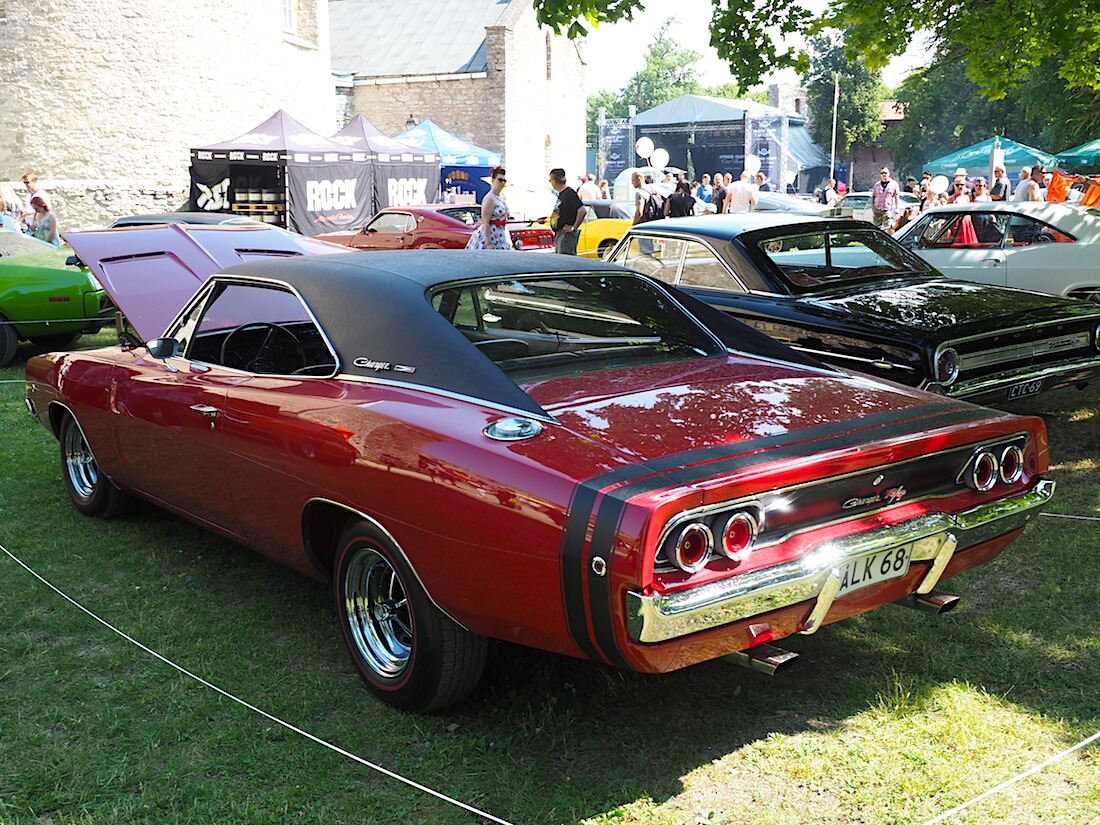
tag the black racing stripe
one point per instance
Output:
(574, 563)
(673, 462)
(686, 475)
(614, 502)
(600, 588)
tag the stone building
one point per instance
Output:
(104, 100)
(481, 69)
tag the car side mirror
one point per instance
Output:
(163, 348)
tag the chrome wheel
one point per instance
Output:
(80, 467)
(378, 615)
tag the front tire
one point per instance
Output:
(605, 248)
(408, 652)
(91, 492)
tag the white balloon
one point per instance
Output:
(938, 184)
(752, 164)
(659, 159)
(644, 147)
(789, 176)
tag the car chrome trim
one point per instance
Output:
(753, 501)
(837, 356)
(935, 537)
(1002, 381)
(370, 379)
(378, 526)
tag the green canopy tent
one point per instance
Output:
(1087, 155)
(975, 159)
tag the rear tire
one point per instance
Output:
(9, 341)
(604, 249)
(407, 651)
(92, 493)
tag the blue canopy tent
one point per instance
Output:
(976, 159)
(462, 165)
(1085, 156)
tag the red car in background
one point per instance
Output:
(434, 226)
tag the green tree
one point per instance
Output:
(859, 120)
(668, 72)
(1000, 43)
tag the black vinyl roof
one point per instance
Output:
(728, 227)
(372, 306)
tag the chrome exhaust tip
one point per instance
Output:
(932, 602)
(763, 658)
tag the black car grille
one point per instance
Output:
(1023, 349)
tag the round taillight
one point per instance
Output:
(693, 547)
(1012, 464)
(738, 536)
(947, 366)
(982, 473)
(518, 243)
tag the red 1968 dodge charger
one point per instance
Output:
(543, 449)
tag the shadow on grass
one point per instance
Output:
(547, 738)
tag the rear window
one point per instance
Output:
(558, 325)
(822, 260)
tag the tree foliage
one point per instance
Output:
(999, 43)
(859, 120)
(668, 71)
(944, 112)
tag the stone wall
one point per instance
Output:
(93, 204)
(107, 99)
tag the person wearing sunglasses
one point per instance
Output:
(959, 193)
(492, 232)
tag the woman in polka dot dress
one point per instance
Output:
(494, 217)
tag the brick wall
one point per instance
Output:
(529, 105)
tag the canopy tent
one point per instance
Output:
(462, 165)
(284, 174)
(977, 158)
(1087, 155)
(712, 133)
(402, 175)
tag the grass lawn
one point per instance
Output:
(892, 717)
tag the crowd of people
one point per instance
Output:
(35, 216)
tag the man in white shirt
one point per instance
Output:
(1022, 188)
(741, 195)
(588, 190)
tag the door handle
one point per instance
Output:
(208, 411)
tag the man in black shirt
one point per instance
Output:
(567, 216)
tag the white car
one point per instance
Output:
(1046, 247)
(857, 205)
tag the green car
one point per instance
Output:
(44, 299)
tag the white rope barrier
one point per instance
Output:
(1008, 783)
(364, 762)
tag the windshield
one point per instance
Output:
(814, 261)
(560, 325)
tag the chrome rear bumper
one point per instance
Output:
(815, 577)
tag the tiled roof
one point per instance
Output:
(385, 38)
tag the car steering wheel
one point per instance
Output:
(268, 342)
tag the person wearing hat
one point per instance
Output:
(885, 201)
(1001, 190)
(912, 185)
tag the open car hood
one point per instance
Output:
(151, 272)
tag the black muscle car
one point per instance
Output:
(849, 294)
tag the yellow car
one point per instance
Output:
(604, 223)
